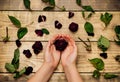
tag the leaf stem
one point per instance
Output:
(83, 41)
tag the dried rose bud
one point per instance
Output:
(71, 14)
(58, 25)
(117, 58)
(39, 32)
(18, 43)
(37, 47)
(27, 53)
(73, 27)
(103, 55)
(41, 18)
(60, 44)
(29, 70)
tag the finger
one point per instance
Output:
(54, 38)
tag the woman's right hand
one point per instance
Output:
(69, 55)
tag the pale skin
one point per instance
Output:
(53, 58)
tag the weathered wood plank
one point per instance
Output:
(39, 5)
(83, 65)
(28, 17)
(57, 77)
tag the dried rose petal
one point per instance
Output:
(39, 32)
(27, 53)
(73, 27)
(104, 55)
(58, 25)
(117, 58)
(29, 70)
(60, 44)
(18, 43)
(41, 18)
(90, 34)
(37, 47)
(71, 14)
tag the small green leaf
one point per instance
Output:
(117, 42)
(97, 63)
(15, 60)
(48, 8)
(63, 8)
(89, 28)
(9, 67)
(78, 2)
(103, 43)
(27, 4)
(96, 74)
(110, 76)
(45, 1)
(83, 14)
(15, 21)
(20, 73)
(106, 18)
(21, 32)
(88, 8)
(52, 2)
(45, 31)
(89, 15)
(117, 29)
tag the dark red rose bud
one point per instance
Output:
(71, 14)
(60, 44)
(27, 53)
(18, 43)
(90, 34)
(103, 55)
(37, 47)
(73, 27)
(41, 18)
(39, 32)
(29, 70)
(58, 25)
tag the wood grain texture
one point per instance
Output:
(28, 17)
(83, 65)
(39, 5)
(57, 77)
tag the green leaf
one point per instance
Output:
(117, 29)
(83, 14)
(78, 2)
(90, 15)
(15, 60)
(63, 8)
(9, 67)
(88, 8)
(89, 28)
(45, 31)
(97, 63)
(15, 21)
(45, 1)
(48, 8)
(21, 32)
(110, 76)
(20, 73)
(96, 74)
(27, 4)
(103, 43)
(52, 2)
(106, 18)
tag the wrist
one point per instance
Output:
(49, 65)
(70, 67)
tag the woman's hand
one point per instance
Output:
(52, 56)
(69, 55)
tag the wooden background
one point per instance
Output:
(16, 8)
